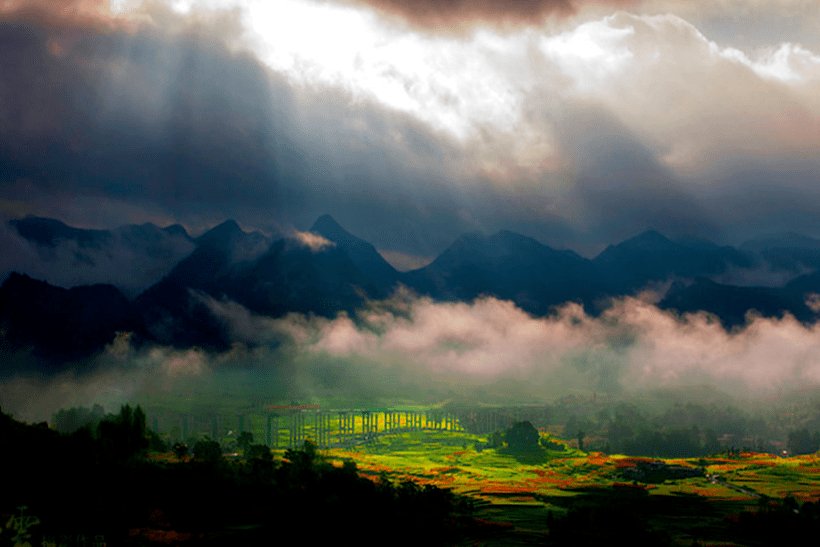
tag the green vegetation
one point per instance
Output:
(565, 495)
(104, 484)
(427, 480)
(687, 423)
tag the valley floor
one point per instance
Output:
(550, 496)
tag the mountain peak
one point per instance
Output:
(503, 241)
(221, 234)
(227, 225)
(514, 238)
(650, 235)
(648, 240)
(176, 230)
(362, 253)
(327, 226)
(48, 231)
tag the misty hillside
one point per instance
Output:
(512, 267)
(732, 304)
(650, 256)
(274, 277)
(53, 324)
(787, 251)
(171, 309)
(269, 278)
(805, 284)
(363, 255)
(132, 257)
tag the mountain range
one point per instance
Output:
(171, 302)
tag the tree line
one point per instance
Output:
(101, 481)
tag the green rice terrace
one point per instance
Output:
(523, 490)
(506, 482)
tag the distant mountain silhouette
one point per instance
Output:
(651, 256)
(787, 251)
(291, 277)
(50, 232)
(172, 312)
(57, 324)
(363, 255)
(284, 275)
(267, 278)
(789, 240)
(805, 284)
(508, 266)
(132, 257)
(732, 304)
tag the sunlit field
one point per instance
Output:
(516, 493)
(450, 459)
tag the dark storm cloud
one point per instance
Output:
(181, 127)
(63, 14)
(134, 124)
(448, 12)
(107, 121)
(452, 15)
(621, 188)
(132, 114)
(766, 195)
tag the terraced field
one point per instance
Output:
(517, 494)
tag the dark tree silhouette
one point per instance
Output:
(802, 442)
(123, 436)
(244, 440)
(69, 420)
(225, 502)
(180, 450)
(258, 452)
(522, 437)
(207, 451)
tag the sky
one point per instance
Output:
(579, 123)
